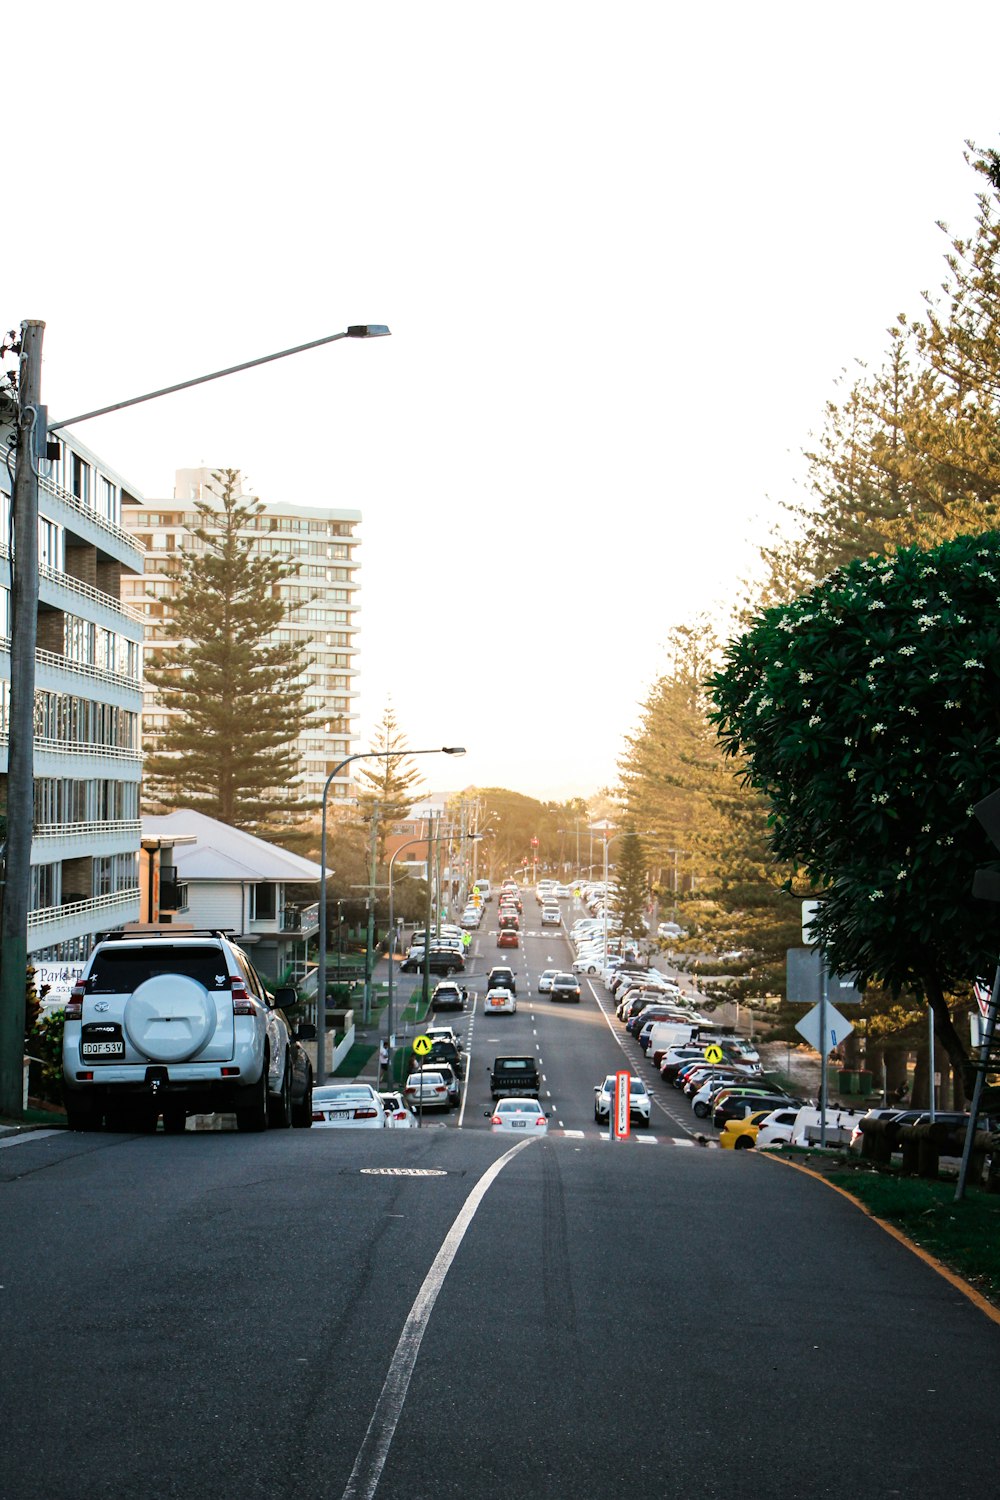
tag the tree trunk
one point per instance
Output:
(944, 1029)
(920, 1092)
(896, 1077)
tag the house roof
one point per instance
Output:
(224, 853)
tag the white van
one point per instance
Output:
(664, 1034)
(483, 887)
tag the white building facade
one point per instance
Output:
(323, 599)
(88, 703)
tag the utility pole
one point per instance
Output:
(428, 924)
(21, 732)
(370, 940)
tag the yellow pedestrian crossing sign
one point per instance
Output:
(713, 1053)
(423, 1044)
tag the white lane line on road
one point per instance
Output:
(468, 1061)
(374, 1449)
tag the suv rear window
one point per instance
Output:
(119, 971)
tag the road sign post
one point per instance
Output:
(621, 1111)
(421, 1046)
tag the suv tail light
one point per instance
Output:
(242, 1000)
(74, 1005)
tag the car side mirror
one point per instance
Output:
(285, 997)
(487, 1113)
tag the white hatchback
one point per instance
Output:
(500, 1002)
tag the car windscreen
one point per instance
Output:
(119, 971)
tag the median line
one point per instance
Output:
(374, 1449)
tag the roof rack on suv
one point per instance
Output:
(118, 936)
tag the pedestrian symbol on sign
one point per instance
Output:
(713, 1053)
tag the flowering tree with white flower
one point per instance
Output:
(868, 713)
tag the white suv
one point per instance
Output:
(178, 1025)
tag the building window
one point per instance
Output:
(263, 903)
(80, 479)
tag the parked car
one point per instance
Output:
(442, 961)
(565, 987)
(398, 1114)
(737, 1104)
(445, 1053)
(740, 1135)
(427, 1089)
(348, 1106)
(443, 1034)
(638, 1099)
(525, 1115)
(155, 1019)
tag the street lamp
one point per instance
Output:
(31, 451)
(392, 929)
(320, 1071)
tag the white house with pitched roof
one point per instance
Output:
(208, 875)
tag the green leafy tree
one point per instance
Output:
(229, 748)
(867, 712)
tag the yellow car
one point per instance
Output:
(740, 1135)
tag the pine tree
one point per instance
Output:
(631, 893)
(234, 692)
(389, 783)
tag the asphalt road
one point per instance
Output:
(577, 1044)
(326, 1315)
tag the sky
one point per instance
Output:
(625, 251)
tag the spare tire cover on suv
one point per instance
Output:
(170, 1018)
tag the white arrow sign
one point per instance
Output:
(837, 1028)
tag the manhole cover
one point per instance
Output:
(402, 1172)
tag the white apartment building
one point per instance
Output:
(88, 702)
(323, 541)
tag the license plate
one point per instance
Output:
(518, 1124)
(102, 1041)
(339, 1114)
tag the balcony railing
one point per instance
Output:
(299, 918)
(87, 591)
(75, 503)
(84, 668)
(99, 828)
(63, 747)
(102, 906)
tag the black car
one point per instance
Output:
(502, 978)
(445, 1052)
(442, 961)
(564, 987)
